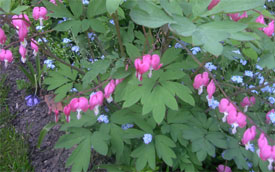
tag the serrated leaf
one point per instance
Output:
(121, 73)
(182, 26)
(132, 51)
(170, 55)
(61, 92)
(163, 146)
(171, 7)
(80, 158)
(19, 9)
(98, 140)
(58, 11)
(97, 25)
(76, 7)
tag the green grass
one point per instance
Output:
(13, 147)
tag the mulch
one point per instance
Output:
(30, 120)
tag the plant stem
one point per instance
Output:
(115, 18)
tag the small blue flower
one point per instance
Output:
(248, 73)
(210, 66)
(102, 57)
(253, 91)
(259, 67)
(243, 62)
(39, 27)
(213, 103)
(236, 51)
(66, 40)
(223, 153)
(103, 118)
(195, 50)
(44, 39)
(147, 138)
(91, 35)
(127, 126)
(249, 164)
(272, 117)
(75, 48)
(49, 64)
(73, 90)
(271, 100)
(85, 2)
(112, 22)
(237, 79)
(106, 109)
(32, 100)
(178, 45)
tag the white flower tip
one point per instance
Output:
(23, 59)
(109, 99)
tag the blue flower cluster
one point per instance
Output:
(212, 103)
(147, 138)
(272, 117)
(112, 22)
(85, 2)
(210, 66)
(66, 40)
(75, 48)
(40, 40)
(91, 35)
(195, 50)
(73, 90)
(103, 118)
(49, 64)
(237, 79)
(127, 126)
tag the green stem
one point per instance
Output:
(115, 18)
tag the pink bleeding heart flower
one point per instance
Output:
(267, 117)
(211, 88)
(153, 61)
(241, 120)
(18, 21)
(222, 168)
(39, 13)
(212, 4)
(3, 37)
(141, 67)
(224, 107)
(262, 141)
(56, 115)
(54, 2)
(118, 81)
(78, 105)
(67, 111)
(200, 81)
(108, 91)
(236, 16)
(6, 56)
(22, 33)
(34, 47)
(247, 101)
(96, 100)
(249, 135)
(232, 120)
(23, 53)
(266, 154)
(260, 19)
(269, 30)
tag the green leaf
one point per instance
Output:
(163, 146)
(64, 26)
(112, 5)
(198, 6)
(132, 133)
(69, 140)
(243, 36)
(96, 7)
(97, 25)
(76, 7)
(182, 26)
(61, 92)
(171, 7)
(217, 139)
(55, 80)
(192, 133)
(159, 111)
(116, 140)
(224, 26)
(132, 51)
(267, 60)
(5, 5)
(144, 154)
(80, 158)
(168, 98)
(233, 6)
(97, 68)
(170, 55)
(250, 53)
(148, 14)
(43, 133)
(121, 73)
(19, 9)
(98, 140)
(58, 11)
(201, 155)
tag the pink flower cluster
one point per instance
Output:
(147, 63)
(200, 81)
(96, 100)
(269, 30)
(39, 13)
(265, 151)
